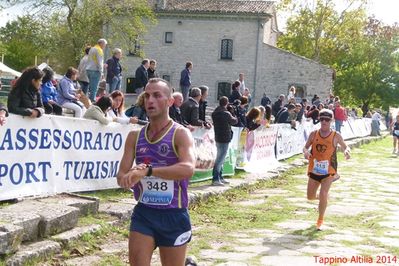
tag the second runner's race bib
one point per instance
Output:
(320, 167)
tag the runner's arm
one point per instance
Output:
(184, 145)
(306, 152)
(345, 148)
(128, 176)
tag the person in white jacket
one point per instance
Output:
(98, 111)
(117, 110)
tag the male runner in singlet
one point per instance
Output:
(322, 158)
(164, 154)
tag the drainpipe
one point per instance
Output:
(256, 61)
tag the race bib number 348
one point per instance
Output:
(156, 191)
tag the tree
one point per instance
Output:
(361, 50)
(77, 23)
(22, 40)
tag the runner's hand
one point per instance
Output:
(347, 154)
(307, 154)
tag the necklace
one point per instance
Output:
(156, 133)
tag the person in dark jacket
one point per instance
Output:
(175, 113)
(240, 107)
(185, 80)
(141, 77)
(3, 114)
(265, 100)
(235, 91)
(24, 99)
(151, 69)
(190, 109)
(114, 71)
(278, 105)
(202, 102)
(222, 119)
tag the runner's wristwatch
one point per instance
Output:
(149, 171)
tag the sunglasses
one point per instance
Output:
(325, 119)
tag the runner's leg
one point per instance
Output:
(173, 256)
(313, 185)
(141, 248)
(323, 196)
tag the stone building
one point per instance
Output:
(224, 38)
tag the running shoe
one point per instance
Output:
(319, 224)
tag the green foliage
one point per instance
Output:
(22, 40)
(74, 24)
(361, 50)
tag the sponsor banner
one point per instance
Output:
(205, 153)
(289, 141)
(58, 154)
(361, 127)
(346, 129)
(259, 150)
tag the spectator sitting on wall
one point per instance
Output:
(24, 98)
(49, 93)
(117, 111)
(98, 111)
(68, 96)
(3, 114)
(175, 113)
(235, 92)
(137, 111)
(247, 94)
(291, 93)
(190, 109)
(253, 118)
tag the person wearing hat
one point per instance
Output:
(322, 169)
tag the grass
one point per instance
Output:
(109, 194)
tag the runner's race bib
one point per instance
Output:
(396, 132)
(156, 191)
(320, 167)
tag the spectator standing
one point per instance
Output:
(185, 80)
(340, 116)
(141, 77)
(222, 121)
(175, 113)
(242, 87)
(95, 67)
(278, 105)
(248, 95)
(190, 109)
(375, 124)
(3, 114)
(265, 100)
(394, 127)
(116, 112)
(202, 102)
(151, 69)
(49, 93)
(68, 96)
(114, 71)
(240, 107)
(98, 111)
(291, 93)
(82, 78)
(24, 98)
(235, 92)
